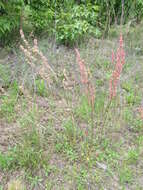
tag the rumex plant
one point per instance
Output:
(88, 88)
(119, 60)
(33, 55)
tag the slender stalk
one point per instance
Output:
(105, 114)
(122, 15)
(92, 124)
(89, 89)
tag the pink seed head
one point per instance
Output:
(83, 70)
(120, 61)
(121, 41)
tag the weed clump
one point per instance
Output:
(15, 185)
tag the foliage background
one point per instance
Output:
(68, 21)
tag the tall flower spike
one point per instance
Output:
(120, 61)
(33, 53)
(89, 90)
(83, 70)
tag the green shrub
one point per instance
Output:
(41, 15)
(9, 16)
(69, 22)
(138, 10)
(78, 22)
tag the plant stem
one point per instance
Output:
(106, 113)
(92, 123)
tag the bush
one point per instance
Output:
(111, 11)
(41, 14)
(78, 22)
(9, 16)
(69, 21)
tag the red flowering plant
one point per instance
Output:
(118, 60)
(88, 89)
